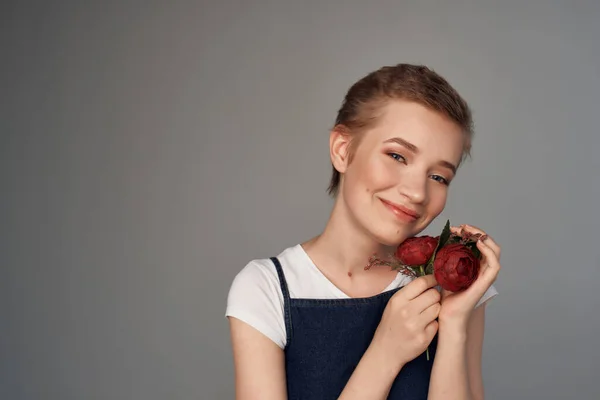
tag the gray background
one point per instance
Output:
(149, 151)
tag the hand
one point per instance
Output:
(409, 324)
(457, 307)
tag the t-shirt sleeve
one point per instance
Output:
(488, 295)
(255, 298)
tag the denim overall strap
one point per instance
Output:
(286, 299)
(330, 337)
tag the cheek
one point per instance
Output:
(365, 178)
(437, 199)
(376, 176)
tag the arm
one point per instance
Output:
(256, 321)
(406, 329)
(258, 364)
(373, 376)
(456, 370)
(474, 352)
(260, 369)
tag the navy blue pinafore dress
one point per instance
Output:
(326, 338)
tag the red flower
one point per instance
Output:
(455, 267)
(416, 251)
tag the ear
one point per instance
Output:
(339, 148)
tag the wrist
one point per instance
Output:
(384, 359)
(456, 328)
(373, 376)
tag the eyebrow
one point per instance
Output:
(415, 150)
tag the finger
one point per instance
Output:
(418, 286)
(491, 268)
(456, 229)
(493, 245)
(472, 229)
(487, 274)
(431, 329)
(430, 313)
(425, 300)
(488, 240)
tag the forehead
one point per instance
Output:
(433, 133)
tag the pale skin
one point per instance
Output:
(409, 158)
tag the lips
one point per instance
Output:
(401, 211)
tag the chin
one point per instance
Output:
(390, 237)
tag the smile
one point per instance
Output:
(402, 213)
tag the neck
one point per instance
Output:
(343, 246)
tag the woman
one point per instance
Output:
(312, 323)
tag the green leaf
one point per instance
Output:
(473, 247)
(444, 236)
(453, 239)
(429, 268)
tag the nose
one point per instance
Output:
(414, 187)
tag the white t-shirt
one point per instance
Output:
(255, 295)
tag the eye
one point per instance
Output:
(397, 157)
(440, 179)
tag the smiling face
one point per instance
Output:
(397, 180)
